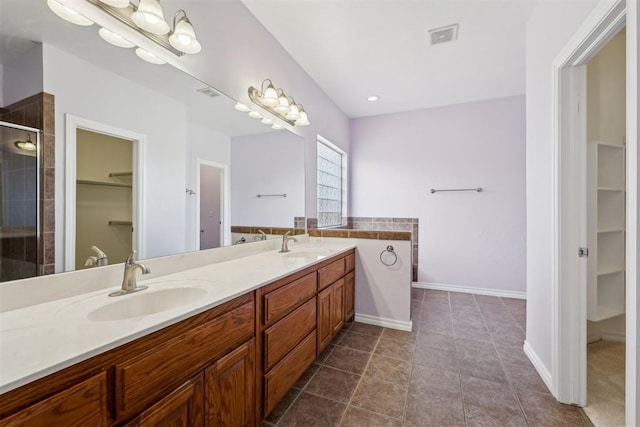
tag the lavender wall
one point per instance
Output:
(474, 240)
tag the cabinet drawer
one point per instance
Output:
(281, 302)
(285, 374)
(350, 262)
(287, 333)
(143, 379)
(329, 274)
(81, 405)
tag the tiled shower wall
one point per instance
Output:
(37, 111)
(383, 224)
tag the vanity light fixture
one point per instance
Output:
(149, 57)
(278, 103)
(150, 17)
(27, 145)
(68, 14)
(147, 18)
(115, 39)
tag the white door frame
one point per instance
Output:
(72, 124)
(570, 293)
(225, 230)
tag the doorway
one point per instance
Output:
(571, 219)
(211, 201)
(103, 189)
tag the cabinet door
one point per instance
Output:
(230, 388)
(325, 324)
(349, 296)
(80, 405)
(180, 408)
(337, 307)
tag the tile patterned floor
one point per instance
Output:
(605, 383)
(463, 365)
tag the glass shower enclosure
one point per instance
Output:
(19, 189)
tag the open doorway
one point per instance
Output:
(103, 189)
(574, 261)
(211, 201)
(606, 232)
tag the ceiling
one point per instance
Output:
(357, 48)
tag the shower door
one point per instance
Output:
(19, 223)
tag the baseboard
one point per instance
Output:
(594, 338)
(614, 336)
(385, 323)
(537, 363)
(470, 290)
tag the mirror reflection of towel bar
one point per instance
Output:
(271, 195)
(477, 190)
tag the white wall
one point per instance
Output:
(22, 77)
(83, 90)
(466, 239)
(548, 30)
(268, 163)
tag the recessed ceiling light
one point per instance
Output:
(373, 98)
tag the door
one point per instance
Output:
(230, 388)
(210, 194)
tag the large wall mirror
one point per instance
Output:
(131, 155)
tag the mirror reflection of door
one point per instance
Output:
(104, 187)
(210, 195)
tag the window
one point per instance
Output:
(330, 185)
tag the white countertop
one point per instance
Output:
(38, 340)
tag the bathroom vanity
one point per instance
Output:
(227, 362)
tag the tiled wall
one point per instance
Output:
(381, 224)
(37, 111)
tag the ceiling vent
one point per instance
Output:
(443, 34)
(210, 92)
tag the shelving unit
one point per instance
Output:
(606, 180)
(103, 183)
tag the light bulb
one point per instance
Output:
(114, 38)
(68, 14)
(149, 17)
(149, 57)
(183, 37)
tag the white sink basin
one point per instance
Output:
(143, 304)
(309, 253)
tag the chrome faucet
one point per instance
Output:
(263, 235)
(129, 284)
(285, 242)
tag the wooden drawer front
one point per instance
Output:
(182, 407)
(84, 404)
(143, 379)
(350, 262)
(285, 374)
(281, 302)
(287, 333)
(329, 274)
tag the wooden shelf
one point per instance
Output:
(116, 174)
(612, 230)
(608, 144)
(611, 189)
(603, 271)
(103, 183)
(112, 222)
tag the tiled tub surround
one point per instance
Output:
(379, 224)
(42, 332)
(462, 365)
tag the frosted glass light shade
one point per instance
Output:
(183, 37)
(283, 105)
(270, 97)
(68, 14)
(294, 113)
(276, 126)
(255, 115)
(303, 120)
(241, 107)
(266, 121)
(115, 39)
(149, 57)
(149, 17)
(121, 4)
